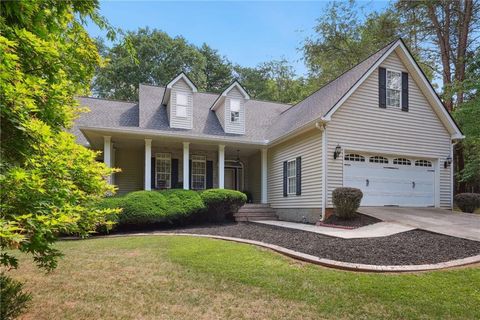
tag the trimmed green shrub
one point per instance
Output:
(468, 202)
(150, 207)
(222, 203)
(346, 202)
(13, 300)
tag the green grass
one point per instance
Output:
(191, 278)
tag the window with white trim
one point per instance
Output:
(354, 157)
(182, 105)
(423, 163)
(402, 162)
(234, 110)
(394, 88)
(378, 159)
(292, 177)
(199, 172)
(163, 170)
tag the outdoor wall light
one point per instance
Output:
(447, 162)
(337, 151)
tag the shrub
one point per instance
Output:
(222, 203)
(346, 202)
(150, 207)
(13, 300)
(249, 196)
(468, 202)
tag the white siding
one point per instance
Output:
(179, 122)
(359, 124)
(235, 127)
(309, 147)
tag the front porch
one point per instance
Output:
(163, 163)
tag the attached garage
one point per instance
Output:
(386, 180)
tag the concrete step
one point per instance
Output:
(254, 210)
(245, 219)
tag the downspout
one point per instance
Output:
(322, 126)
(452, 146)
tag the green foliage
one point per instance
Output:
(149, 207)
(13, 300)
(221, 203)
(273, 81)
(346, 202)
(48, 182)
(158, 59)
(218, 70)
(468, 202)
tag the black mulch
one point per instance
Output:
(360, 220)
(406, 248)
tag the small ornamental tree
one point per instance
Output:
(48, 183)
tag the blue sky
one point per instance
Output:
(247, 33)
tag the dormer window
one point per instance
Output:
(182, 105)
(394, 88)
(234, 110)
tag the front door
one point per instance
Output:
(230, 179)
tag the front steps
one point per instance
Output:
(254, 211)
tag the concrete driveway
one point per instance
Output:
(457, 224)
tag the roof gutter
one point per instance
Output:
(155, 133)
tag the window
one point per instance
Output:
(394, 87)
(378, 159)
(182, 105)
(199, 172)
(163, 170)
(423, 163)
(292, 177)
(354, 157)
(402, 162)
(234, 110)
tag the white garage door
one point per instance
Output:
(391, 181)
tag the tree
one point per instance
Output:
(343, 38)
(49, 183)
(218, 70)
(274, 81)
(158, 59)
(448, 25)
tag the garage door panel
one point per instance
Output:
(383, 184)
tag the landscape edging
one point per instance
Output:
(322, 261)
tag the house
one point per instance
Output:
(379, 127)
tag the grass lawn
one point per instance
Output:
(169, 277)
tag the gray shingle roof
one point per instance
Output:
(265, 121)
(105, 113)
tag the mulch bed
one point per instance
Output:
(406, 248)
(360, 220)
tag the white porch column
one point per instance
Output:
(107, 154)
(186, 165)
(264, 176)
(148, 164)
(221, 166)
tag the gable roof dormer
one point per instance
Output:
(178, 98)
(230, 108)
(168, 88)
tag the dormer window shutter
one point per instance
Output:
(285, 192)
(382, 87)
(299, 176)
(404, 91)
